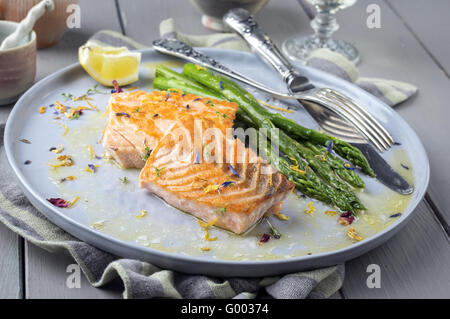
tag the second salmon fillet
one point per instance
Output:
(232, 194)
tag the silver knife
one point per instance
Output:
(243, 24)
(181, 50)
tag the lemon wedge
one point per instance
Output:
(106, 63)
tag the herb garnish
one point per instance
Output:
(273, 231)
(147, 153)
(67, 97)
(94, 90)
(157, 170)
(222, 210)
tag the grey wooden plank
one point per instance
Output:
(46, 272)
(10, 264)
(380, 48)
(388, 52)
(415, 263)
(95, 16)
(142, 19)
(278, 18)
(429, 22)
(46, 276)
(393, 52)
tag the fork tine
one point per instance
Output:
(365, 115)
(361, 126)
(377, 133)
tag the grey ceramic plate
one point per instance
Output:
(169, 238)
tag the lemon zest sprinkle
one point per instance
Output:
(281, 216)
(311, 209)
(274, 107)
(351, 232)
(59, 149)
(103, 135)
(74, 201)
(42, 109)
(66, 160)
(211, 188)
(90, 150)
(323, 157)
(90, 170)
(330, 213)
(132, 88)
(198, 67)
(296, 169)
(91, 105)
(142, 214)
(60, 107)
(66, 129)
(205, 227)
(205, 248)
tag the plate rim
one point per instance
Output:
(90, 235)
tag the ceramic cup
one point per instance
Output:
(214, 10)
(17, 65)
(49, 28)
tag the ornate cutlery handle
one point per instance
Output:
(182, 50)
(243, 23)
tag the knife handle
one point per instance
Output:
(184, 51)
(243, 23)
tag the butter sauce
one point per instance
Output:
(111, 207)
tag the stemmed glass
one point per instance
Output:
(324, 25)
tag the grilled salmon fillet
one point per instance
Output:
(212, 176)
(138, 120)
(233, 193)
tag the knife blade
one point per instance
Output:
(244, 25)
(384, 172)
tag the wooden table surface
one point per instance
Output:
(412, 45)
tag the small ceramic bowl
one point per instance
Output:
(17, 65)
(214, 10)
(49, 28)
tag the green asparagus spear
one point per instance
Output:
(257, 113)
(342, 196)
(345, 173)
(163, 83)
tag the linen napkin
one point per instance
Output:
(143, 280)
(389, 91)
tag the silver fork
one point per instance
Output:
(331, 114)
(300, 88)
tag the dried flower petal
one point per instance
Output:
(59, 202)
(264, 238)
(346, 218)
(117, 88)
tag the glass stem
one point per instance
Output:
(324, 25)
